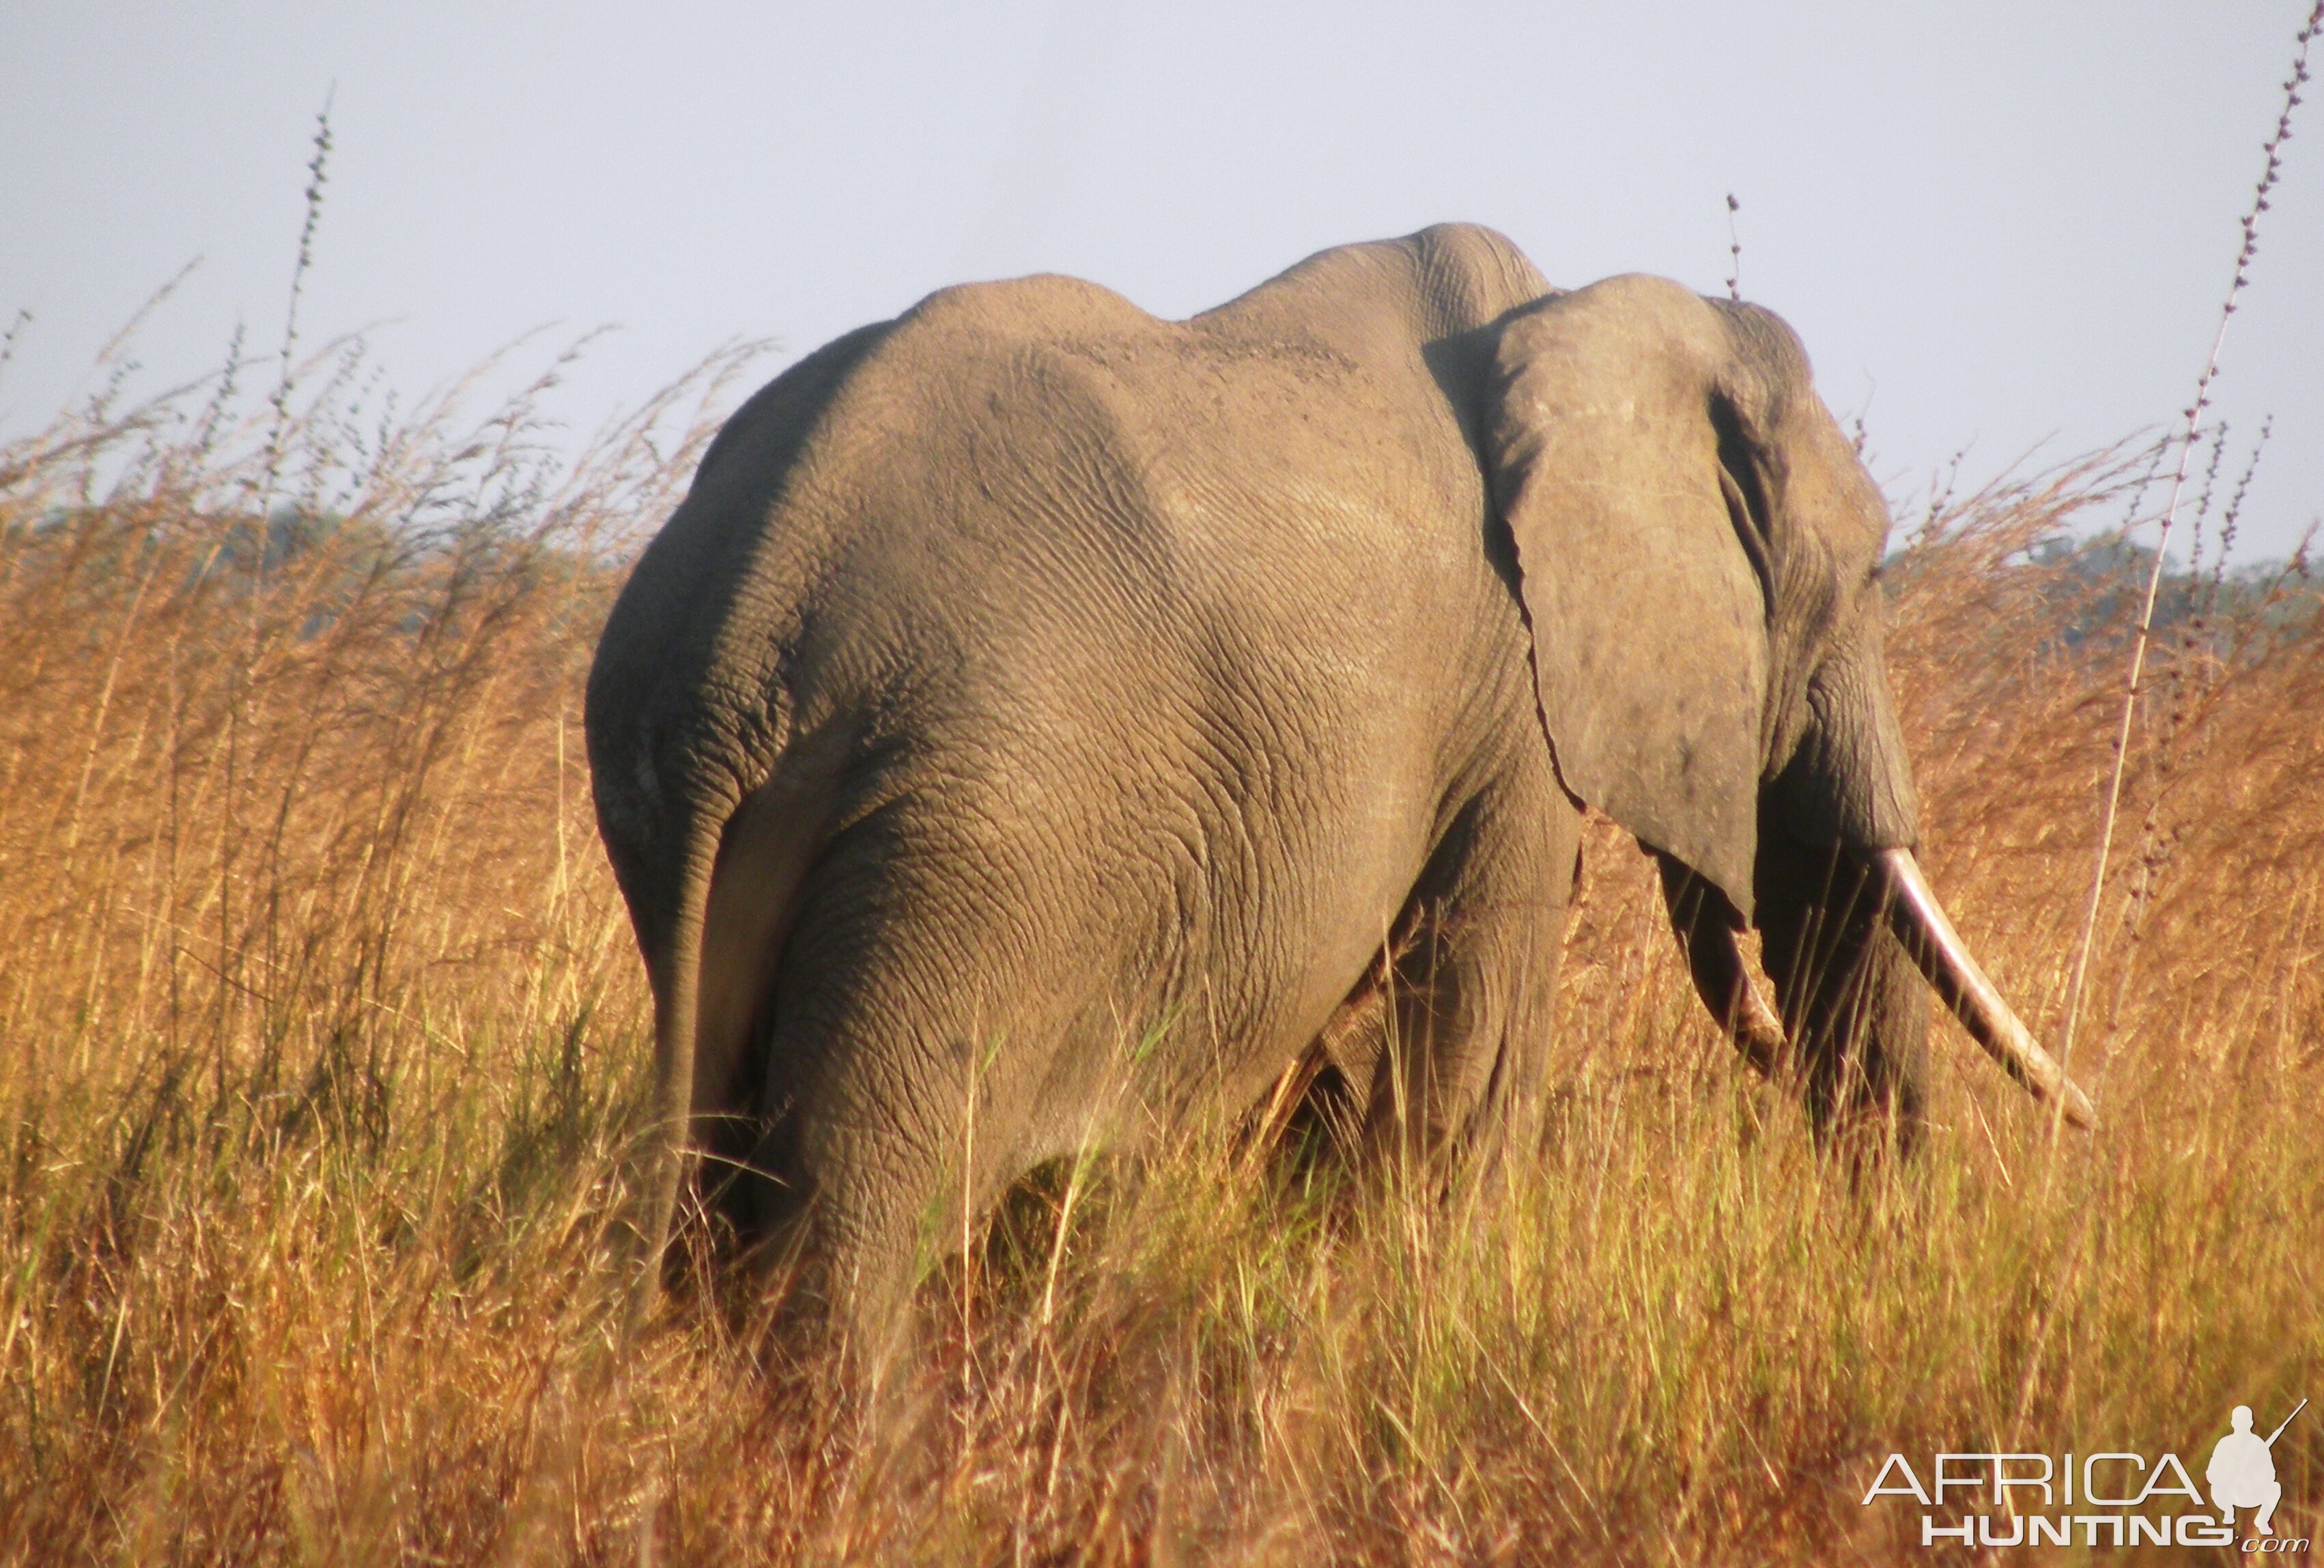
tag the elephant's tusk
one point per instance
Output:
(1759, 1030)
(1920, 922)
(1723, 981)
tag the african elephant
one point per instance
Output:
(1033, 702)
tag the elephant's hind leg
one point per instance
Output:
(910, 1066)
(861, 1187)
(1316, 1107)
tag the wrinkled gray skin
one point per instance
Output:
(1027, 679)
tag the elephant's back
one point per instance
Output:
(1047, 414)
(1173, 629)
(1023, 501)
(1007, 425)
(1153, 645)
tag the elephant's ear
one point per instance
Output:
(1640, 561)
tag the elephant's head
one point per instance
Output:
(1699, 554)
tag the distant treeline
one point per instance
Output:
(2086, 593)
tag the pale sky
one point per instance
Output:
(1999, 227)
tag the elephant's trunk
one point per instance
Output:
(1920, 925)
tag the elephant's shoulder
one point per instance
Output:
(1444, 279)
(1472, 274)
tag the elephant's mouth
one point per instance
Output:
(1927, 934)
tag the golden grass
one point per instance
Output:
(324, 1037)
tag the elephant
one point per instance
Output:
(1036, 708)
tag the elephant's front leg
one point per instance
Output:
(1460, 1066)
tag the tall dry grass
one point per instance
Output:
(322, 1035)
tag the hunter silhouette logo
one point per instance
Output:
(2115, 1498)
(2242, 1472)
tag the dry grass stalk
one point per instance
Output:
(2274, 166)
